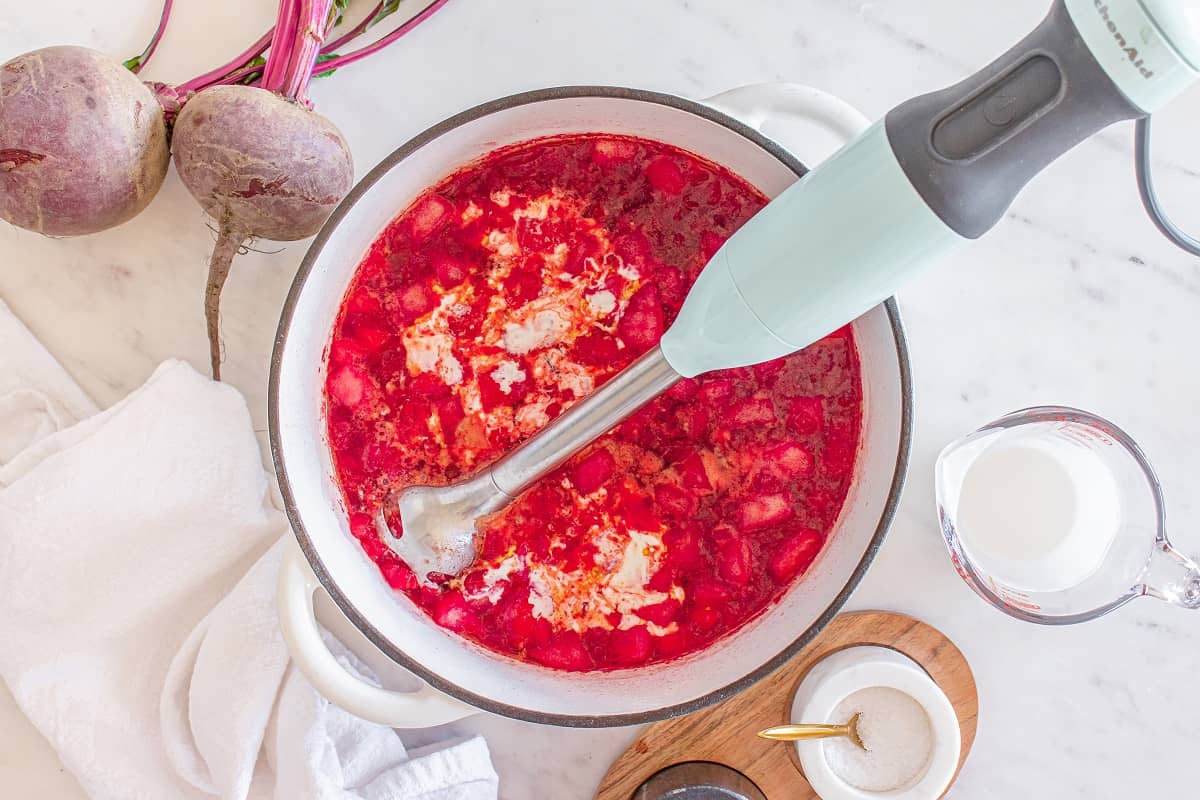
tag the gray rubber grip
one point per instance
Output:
(970, 148)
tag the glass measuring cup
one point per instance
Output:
(1139, 561)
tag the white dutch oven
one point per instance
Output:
(462, 677)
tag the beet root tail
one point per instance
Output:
(229, 242)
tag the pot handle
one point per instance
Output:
(757, 104)
(422, 708)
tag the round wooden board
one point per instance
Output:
(725, 733)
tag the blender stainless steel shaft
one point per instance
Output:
(938, 171)
(439, 521)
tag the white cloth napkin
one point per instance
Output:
(37, 396)
(138, 556)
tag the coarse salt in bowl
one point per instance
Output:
(907, 723)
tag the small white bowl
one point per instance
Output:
(842, 674)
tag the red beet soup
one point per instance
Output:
(508, 292)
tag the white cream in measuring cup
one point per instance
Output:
(1038, 514)
(1055, 516)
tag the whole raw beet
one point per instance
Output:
(268, 166)
(83, 144)
(261, 166)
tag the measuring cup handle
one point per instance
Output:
(1173, 577)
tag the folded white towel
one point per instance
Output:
(37, 396)
(138, 556)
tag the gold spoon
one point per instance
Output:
(790, 733)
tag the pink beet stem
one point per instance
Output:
(360, 28)
(237, 77)
(136, 63)
(216, 75)
(310, 35)
(363, 52)
(281, 44)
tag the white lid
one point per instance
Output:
(1179, 21)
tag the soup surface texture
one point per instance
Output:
(508, 292)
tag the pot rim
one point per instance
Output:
(394, 652)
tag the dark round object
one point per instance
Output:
(698, 780)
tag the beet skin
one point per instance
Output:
(262, 166)
(83, 144)
(269, 166)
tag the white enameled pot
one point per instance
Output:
(463, 677)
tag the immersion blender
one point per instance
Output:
(936, 172)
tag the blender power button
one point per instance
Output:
(1001, 109)
(995, 113)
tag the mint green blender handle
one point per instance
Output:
(937, 171)
(836, 243)
(716, 329)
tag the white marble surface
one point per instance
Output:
(1073, 299)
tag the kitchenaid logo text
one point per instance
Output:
(1122, 42)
